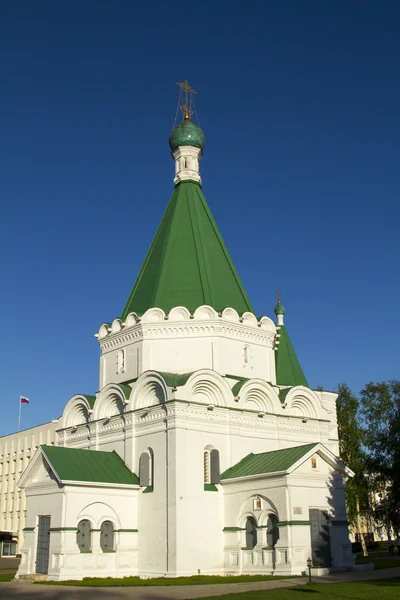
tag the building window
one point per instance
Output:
(272, 530)
(251, 532)
(313, 463)
(9, 549)
(146, 469)
(84, 536)
(121, 361)
(211, 466)
(107, 536)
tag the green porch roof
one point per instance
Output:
(188, 263)
(288, 369)
(267, 462)
(71, 464)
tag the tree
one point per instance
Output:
(352, 453)
(380, 411)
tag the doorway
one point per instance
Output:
(320, 538)
(43, 545)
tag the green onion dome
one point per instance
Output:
(279, 309)
(186, 134)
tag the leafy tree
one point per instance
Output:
(352, 453)
(380, 411)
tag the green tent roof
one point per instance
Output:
(188, 263)
(267, 462)
(288, 369)
(71, 464)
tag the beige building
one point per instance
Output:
(16, 451)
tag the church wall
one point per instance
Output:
(199, 513)
(322, 487)
(153, 503)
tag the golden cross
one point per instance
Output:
(278, 296)
(185, 108)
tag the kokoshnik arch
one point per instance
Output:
(205, 449)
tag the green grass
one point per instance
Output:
(380, 562)
(388, 589)
(162, 581)
(7, 576)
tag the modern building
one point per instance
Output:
(205, 450)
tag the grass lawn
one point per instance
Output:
(380, 562)
(7, 576)
(161, 581)
(388, 589)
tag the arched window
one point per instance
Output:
(107, 536)
(251, 532)
(272, 530)
(84, 536)
(146, 469)
(211, 466)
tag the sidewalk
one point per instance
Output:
(28, 591)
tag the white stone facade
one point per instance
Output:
(187, 384)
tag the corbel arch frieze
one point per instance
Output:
(110, 401)
(149, 390)
(257, 394)
(77, 411)
(301, 401)
(208, 387)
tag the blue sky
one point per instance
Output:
(299, 102)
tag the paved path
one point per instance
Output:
(359, 576)
(28, 591)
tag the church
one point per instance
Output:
(204, 450)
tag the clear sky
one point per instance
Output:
(299, 102)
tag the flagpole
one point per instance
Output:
(19, 413)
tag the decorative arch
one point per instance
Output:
(97, 512)
(257, 394)
(205, 313)
(247, 509)
(179, 313)
(149, 390)
(249, 319)
(268, 324)
(116, 326)
(132, 319)
(110, 401)
(208, 387)
(230, 314)
(153, 315)
(303, 402)
(77, 411)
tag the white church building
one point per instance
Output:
(204, 450)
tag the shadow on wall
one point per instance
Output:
(321, 520)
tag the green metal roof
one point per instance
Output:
(71, 464)
(267, 462)
(288, 369)
(188, 263)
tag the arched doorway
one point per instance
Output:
(251, 532)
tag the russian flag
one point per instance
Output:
(24, 400)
